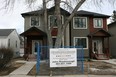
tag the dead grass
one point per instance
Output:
(11, 68)
(46, 70)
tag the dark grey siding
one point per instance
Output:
(80, 33)
(112, 30)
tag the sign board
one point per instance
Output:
(63, 57)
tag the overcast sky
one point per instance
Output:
(13, 18)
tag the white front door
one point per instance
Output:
(35, 43)
(97, 46)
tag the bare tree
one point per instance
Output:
(57, 14)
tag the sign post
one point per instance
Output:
(38, 59)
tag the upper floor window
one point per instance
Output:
(53, 21)
(80, 23)
(35, 21)
(8, 42)
(81, 42)
(98, 23)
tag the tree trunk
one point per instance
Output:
(48, 31)
(61, 28)
(59, 25)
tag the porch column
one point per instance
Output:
(90, 48)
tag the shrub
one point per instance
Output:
(6, 54)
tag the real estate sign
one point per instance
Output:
(63, 57)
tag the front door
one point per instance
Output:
(35, 43)
(97, 46)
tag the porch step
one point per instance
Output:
(102, 57)
(32, 57)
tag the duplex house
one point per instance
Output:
(86, 29)
(9, 38)
(112, 30)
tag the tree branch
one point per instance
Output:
(72, 14)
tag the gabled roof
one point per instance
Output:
(100, 33)
(33, 31)
(39, 12)
(5, 32)
(81, 12)
(87, 13)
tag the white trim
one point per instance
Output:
(35, 17)
(81, 37)
(49, 20)
(79, 28)
(97, 19)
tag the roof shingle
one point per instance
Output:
(5, 32)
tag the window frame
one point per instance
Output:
(37, 17)
(62, 18)
(78, 27)
(9, 43)
(94, 24)
(81, 37)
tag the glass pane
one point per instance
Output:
(80, 22)
(81, 42)
(34, 21)
(53, 20)
(98, 22)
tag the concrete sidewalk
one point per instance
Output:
(23, 70)
(63, 76)
(111, 61)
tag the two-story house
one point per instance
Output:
(86, 29)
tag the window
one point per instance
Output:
(98, 23)
(34, 21)
(16, 44)
(80, 23)
(52, 20)
(81, 41)
(8, 42)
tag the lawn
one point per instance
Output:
(47, 71)
(11, 68)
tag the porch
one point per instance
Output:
(32, 38)
(99, 45)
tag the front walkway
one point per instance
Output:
(23, 70)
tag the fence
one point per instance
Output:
(45, 49)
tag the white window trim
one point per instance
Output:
(49, 20)
(79, 28)
(94, 23)
(35, 25)
(81, 37)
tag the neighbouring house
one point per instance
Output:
(112, 30)
(9, 38)
(86, 29)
